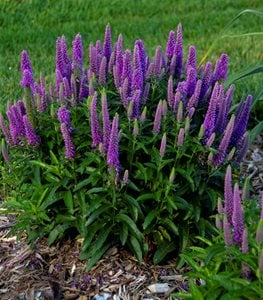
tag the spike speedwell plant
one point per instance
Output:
(128, 150)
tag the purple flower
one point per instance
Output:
(119, 56)
(126, 67)
(190, 81)
(5, 152)
(191, 59)
(177, 100)
(149, 72)
(157, 63)
(163, 146)
(31, 135)
(27, 79)
(158, 118)
(63, 64)
(113, 150)
(237, 218)
(14, 130)
(105, 121)
(227, 232)
(25, 63)
(170, 92)
(146, 92)
(193, 101)
(77, 54)
(112, 61)
(21, 107)
(242, 149)
(67, 89)
(103, 71)
(6, 132)
(142, 55)
(206, 79)
(64, 117)
(124, 92)
(107, 47)
(84, 88)
(180, 139)
(94, 122)
(241, 122)
(178, 51)
(228, 195)
(210, 117)
(136, 104)
(93, 60)
(59, 79)
(70, 151)
(220, 155)
(137, 80)
(221, 68)
(170, 46)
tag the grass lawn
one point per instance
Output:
(34, 25)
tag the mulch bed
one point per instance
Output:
(58, 273)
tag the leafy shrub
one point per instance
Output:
(230, 265)
(128, 151)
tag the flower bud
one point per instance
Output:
(135, 128)
(143, 114)
(259, 232)
(4, 152)
(231, 154)
(163, 145)
(172, 176)
(180, 139)
(211, 140)
(125, 177)
(201, 132)
(164, 108)
(130, 110)
(187, 125)
(180, 112)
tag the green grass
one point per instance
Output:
(35, 25)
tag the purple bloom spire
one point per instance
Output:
(14, 130)
(93, 60)
(77, 54)
(31, 135)
(64, 117)
(244, 246)
(137, 80)
(26, 70)
(227, 232)
(228, 195)
(223, 66)
(190, 81)
(136, 104)
(107, 47)
(103, 71)
(206, 79)
(178, 51)
(27, 79)
(119, 56)
(63, 64)
(210, 117)
(237, 218)
(170, 92)
(241, 122)
(105, 121)
(220, 155)
(177, 100)
(163, 145)
(124, 92)
(158, 118)
(6, 132)
(94, 122)
(142, 54)
(66, 88)
(157, 63)
(126, 67)
(191, 59)
(180, 139)
(193, 101)
(242, 150)
(113, 150)
(70, 151)
(170, 46)
(84, 88)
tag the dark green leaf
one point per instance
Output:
(136, 247)
(149, 218)
(68, 200)
(96, 257)
(130, 223)
(162, 252)
(123, 234)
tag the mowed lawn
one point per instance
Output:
(34, 25)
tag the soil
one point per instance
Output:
(58, 273)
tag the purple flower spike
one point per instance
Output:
(124, 92)
(136, 104)
(63, 63)
(102, 72)
(210, 117)
(25, 63)
(206, 79)
(177, 99)
(107, 47)
(190, 81)
(241, 122)
(228, 195)
(126, 68)
(119, 56)
(77, 53)
(158, 118)
(193, 101)
(180, 139)
(93, 60)
(142, 54)
(170, 92)
(67, 89)
(105, 121)
(31, 135)
(137, 80)
(157, 63)
(178, 51)
(163, 145)
(170, 46)
(84, 88)
(227, 232)
(223, 66)
(94, 122)
(113, 150)
(242, 150)
(27, 79)
(146, 92)
(64, 117)
(244, 246)
(219, 157)
(191, 59)
(70, 151)
(6, 132)
(237, 218)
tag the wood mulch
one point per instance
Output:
(57, 272)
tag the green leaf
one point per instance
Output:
(49, 168)
(197, 295)
(169, 224)
(68, 200)
(131, 185)
(244, 73)
(96, 257)
(50, 199)
(53, 157)
(145, 197)
(96, 190)
(57, 232)
(88, 239)
(136, 248)
(101, 238)
(102, 209)
(256, 131)
(162, 252)
(142, 174)
(83, 183)
(131, 225)
(187, 177)
(149, 218)
(124, 234)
